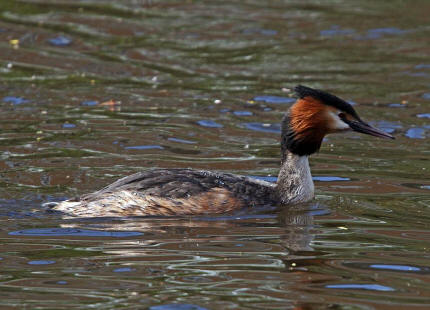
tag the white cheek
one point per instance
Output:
(336, 124)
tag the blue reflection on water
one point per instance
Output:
(177, 307)
(422, 66)
(15, 100)
(274, 99)
(209, 123)
(60, 41)
(415, 133)
(242, 113)
(266, 32)
(424, 115)
(264, 178)
(395, 267)
(235, 217)
(41, 262)
(330, 178)
(397, 105)
(274, 128)
(315, 178)
(335, 30)
(181, 141)
(386, 126)
(89, 103)
(144, 147)
(416, 74)
(73, 232)
(380, 32)
(370, 287)
(124, 269)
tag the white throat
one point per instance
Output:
(295, 183)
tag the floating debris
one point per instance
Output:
(14, 43)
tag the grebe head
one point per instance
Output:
(315, 114)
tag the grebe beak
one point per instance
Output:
(360, 126)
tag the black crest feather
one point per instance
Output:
(325, 98)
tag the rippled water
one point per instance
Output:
(94, 90)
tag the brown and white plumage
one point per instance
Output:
(190, 192)
(172, 192)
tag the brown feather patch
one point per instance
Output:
(306, 115)
(216, 200)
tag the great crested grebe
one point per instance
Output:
(190, 192)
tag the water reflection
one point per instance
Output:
(415, 133)
(144, 147)
(46, 232)
(60, 41)
(15, 100)
(274, 99)
(41, 262)
(264, 127)
(297, 222)
(390, 267)
(369, 287)
(209, 123)
(211, 253)
(177, 307)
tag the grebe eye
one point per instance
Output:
(342, 116)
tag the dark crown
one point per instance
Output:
(325, 98)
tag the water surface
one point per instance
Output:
(91, 91)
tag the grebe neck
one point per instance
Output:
(295, 183)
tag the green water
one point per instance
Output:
(91, 91)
